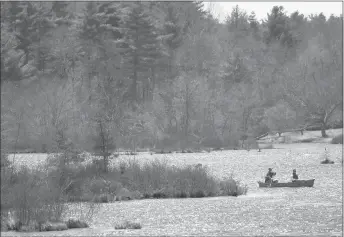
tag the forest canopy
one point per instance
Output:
(96, 75)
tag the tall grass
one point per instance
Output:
(34, 198)
(41, 195)
(30, 196)
(154, 179)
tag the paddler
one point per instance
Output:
(295, 176)
(269, 175)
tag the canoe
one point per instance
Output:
(296, 184)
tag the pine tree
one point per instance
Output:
(30, 23)
(60, 9)
(253, 21)
(236, 71)
(90, 27)
(10, 70)
(277, 24)
(142, 49)
(111, 22)
(172, 37)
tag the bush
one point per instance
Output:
(32, 196)
(73, 223)
(98, 186)
(197, 194)
(115, 187)
(102, 198)
(181, 194)
(159, 194)
(337, 139)
(231, 187)
(158, 180)
(35, 190)
(128, 225)
(307, 140)
(52, 226)
(124, 194)
(136, 195)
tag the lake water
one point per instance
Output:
(279, 211)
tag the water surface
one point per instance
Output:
(278, 211)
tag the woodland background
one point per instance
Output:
(107, 75)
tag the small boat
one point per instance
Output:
(294, 184)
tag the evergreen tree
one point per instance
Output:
(172, 37)
(90, 28)
(236, 71)
(199, 5)
(32, 24)
(60, 9)
(253, 21)
(142, 49)
(10, 70)
(276, 24)
(238, 20)
(110, 19)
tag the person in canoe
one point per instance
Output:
(269, 176)
(295, 176)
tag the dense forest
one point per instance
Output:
(107, 75)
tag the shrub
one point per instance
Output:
(128, 225)
(197, 194)
(74, 223)
(52, 226)
(307, 140)
(32, 196)
(98, 186)
(136, 195)
(3, 224)
(181, 194)
(115, 187)
(102, 198)
(154, 179)
(337, 139)
(231, 187)
(159, 194)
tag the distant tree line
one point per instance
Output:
(107, 75)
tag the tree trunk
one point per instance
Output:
(186, 131)
(323, 130)
(103, 146)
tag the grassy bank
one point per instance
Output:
(38, 195)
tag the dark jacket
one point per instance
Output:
(269, 176)
(295, 176)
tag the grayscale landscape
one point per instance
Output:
(164, 118)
